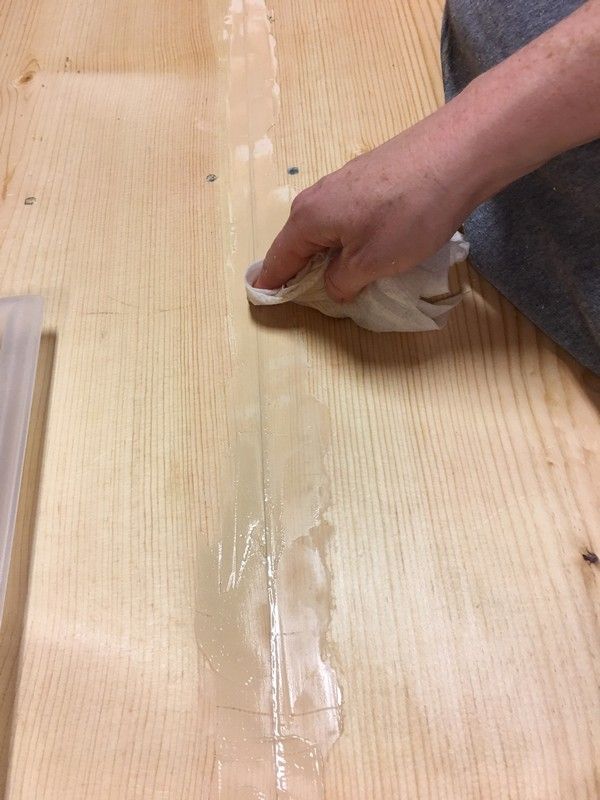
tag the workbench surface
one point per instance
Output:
(426, 498)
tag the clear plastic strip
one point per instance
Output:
(20, 331)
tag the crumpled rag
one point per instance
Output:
(406, 302)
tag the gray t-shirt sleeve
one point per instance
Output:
(538, 241)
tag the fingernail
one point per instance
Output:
(256, 280)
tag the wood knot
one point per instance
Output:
(28, 73)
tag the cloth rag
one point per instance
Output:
(405, 302)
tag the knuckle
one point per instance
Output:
(359, 263)
(332, 285)
(304, 205)
(300, 204)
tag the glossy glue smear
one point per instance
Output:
(264, 595)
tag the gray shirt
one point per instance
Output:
(538, 241)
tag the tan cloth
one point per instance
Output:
(390, 304)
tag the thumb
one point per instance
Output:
(288, 254)
(346, 275)
(303, 236)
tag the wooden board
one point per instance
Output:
(461, 469)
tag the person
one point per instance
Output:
(514, 155)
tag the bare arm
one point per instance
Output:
(389, 209)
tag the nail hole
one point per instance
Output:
(590, 557)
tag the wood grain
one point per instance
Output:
(463, 465)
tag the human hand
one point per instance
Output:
(388, 210)
(384, 212)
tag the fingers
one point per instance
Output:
(346, 275)
(312, 228)
(306, 233)
(289, 253)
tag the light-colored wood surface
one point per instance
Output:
(462, 466)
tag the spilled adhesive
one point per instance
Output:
(263, 611)
(264, 595)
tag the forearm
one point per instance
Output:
(542, 101)
(388, 210)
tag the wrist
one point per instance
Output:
(468, 157)
(487, 147)
(499, 133)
